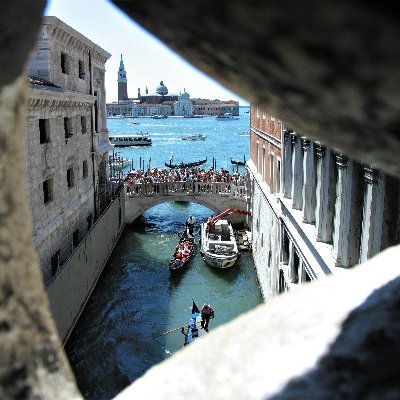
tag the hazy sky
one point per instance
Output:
(147, 61)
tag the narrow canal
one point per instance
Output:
(137, 299)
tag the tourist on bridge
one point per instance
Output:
(207, 312)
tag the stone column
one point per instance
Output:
(309, 182)
(297, 174)
(293, 273)
(341, 223)
(372, 216)
(287, 165)
(325, 194)
(348, 211)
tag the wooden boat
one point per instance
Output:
(186, 165)
(140, 139)
(194, 329)
(183, 252)
(238, 162)
(218, 243)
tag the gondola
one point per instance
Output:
(183, 252)
(238, 162)
(194, 326)
(186, 165)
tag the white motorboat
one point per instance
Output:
(225, 116)
(219, 249)
(141, 139)
(194, 137)
(218, 242)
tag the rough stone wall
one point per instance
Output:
(31, 362)
(55, 221)
(327, 68)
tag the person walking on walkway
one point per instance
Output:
(207, 312)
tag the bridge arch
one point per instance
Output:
(217, 197)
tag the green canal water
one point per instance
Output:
(137, 298)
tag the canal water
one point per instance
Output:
(137, 299)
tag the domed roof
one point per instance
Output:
(162, 89)
(185, 94)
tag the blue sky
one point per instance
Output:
(147, 61)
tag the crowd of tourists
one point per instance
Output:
(185, 178)
(184, 175)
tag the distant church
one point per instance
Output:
(161, 102)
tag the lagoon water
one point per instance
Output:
(136, 297)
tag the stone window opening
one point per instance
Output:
(84, 169)
(64, 64)
(44, 130)
(294, 268)
(81, 72)
(55, 263)
(75, 238)
(89, 220)
(67, 128)
(47, 191)
(70, 177)
(285, 248)
(83, 124)
(278, 176)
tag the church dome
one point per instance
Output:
(162, 89)
(185, 94)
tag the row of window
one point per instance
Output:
(66, 66)
(44, 128)
(48, 184)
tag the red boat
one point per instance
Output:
(182, 254)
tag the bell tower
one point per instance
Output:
(122, 82)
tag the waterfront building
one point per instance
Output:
(315, 211)
(183, 106)
(215, 107)
(67, 141)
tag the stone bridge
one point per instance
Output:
(217, 196)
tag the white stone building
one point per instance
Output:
(315, 212)
(67, 141)
(183, 106)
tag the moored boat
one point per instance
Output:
(218, 243)
(186, 165)
(141, 139)
(194, 326)
(239, 162)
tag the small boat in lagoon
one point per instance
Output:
(194, 137)
(239, 162)
(226, 116)
(185, 165)
(141, 139)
